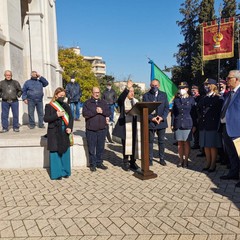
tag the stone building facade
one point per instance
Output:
(28, 41)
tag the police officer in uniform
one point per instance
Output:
(182, 122)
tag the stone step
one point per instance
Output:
(28, 148)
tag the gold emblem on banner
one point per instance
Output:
(217, 38)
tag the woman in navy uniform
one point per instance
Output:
(209, 109)
(182, 122)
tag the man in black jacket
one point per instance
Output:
(95, 111)
(157, 119)
(10, 91)
(110, 96)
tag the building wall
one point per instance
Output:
(28, 41)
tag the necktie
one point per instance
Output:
(225, 106)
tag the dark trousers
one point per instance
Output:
(5, 114)
(95, 142)
(111, 108)
(232, 153)
(161, 143)
(31, 108)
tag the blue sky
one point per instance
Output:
(123, 32)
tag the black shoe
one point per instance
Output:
(150, 163)
(103, 167)
(210, 170)
(195, 147)
(126, 166)
(134, 166)
(4, 130)
(237, 184)
(185, 164)
(31, 127)
(16, 130)
(42, 126)
(205, 169)
(162, 162)
(180, 164)
(93, 169)
(66, 176)
(229, 177)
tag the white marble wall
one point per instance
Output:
(28, 41)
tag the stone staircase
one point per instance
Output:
(28, 148)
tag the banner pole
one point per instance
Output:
(219, 69)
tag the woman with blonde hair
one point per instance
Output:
(209, 110)
(60, 124)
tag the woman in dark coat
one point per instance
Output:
(182, 122)
(209, 110)
(60, 124)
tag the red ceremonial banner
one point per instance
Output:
(218, 40)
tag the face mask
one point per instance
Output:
(72, 80)
(193, 94)
(206, 89)
(182, 92)
(109, 87)
(61, 99)
(154, 89)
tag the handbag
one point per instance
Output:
(71, 140)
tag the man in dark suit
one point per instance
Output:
(157, 119)
(230, 121)
(95, 111)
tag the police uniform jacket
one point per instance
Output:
(182, 113)
(209, 110)
(162, 110)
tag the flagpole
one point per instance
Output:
(219, 60)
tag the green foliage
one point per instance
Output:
(103, 83)
(138, 93)
(189, 57)
(73, 64)
(189, 9)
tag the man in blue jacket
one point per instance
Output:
(33, 97)
(230, 121)
(157, 120)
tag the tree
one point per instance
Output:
(189, 9)
(227, 64)
(206, 14)
(73, 64)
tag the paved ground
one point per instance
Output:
(114, 205)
